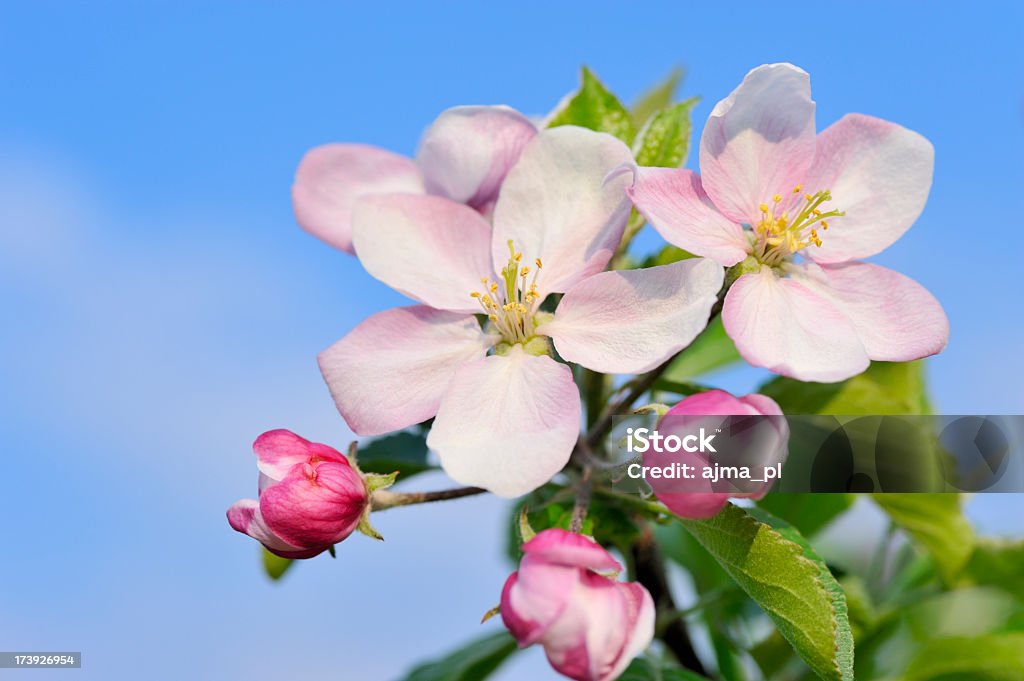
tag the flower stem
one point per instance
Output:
(579, 510)
(382, 499)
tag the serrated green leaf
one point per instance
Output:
(405, 452)
(664, 141)
(712, 349)
(472, 662)
(997, 657)
(808, 512)
(998, 563)
(595, 107)
(884, 388)
(646, 669)
(936, 523)
(779, 570)
(275, 566)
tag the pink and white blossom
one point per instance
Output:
(795, 212)
(765, 442)
(507, 414)
(310, 497)
(463, 156)
(565, 598)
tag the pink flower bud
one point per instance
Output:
(566, 598)
(759, 444)
(310, 497)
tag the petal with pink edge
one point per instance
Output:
(466, 153)
(630, 321)
(331, 177)
(534, 597)
(555, 205)
(896, 319)
(561, 547)
(758, 141)
(277, 451)
(588, 638)
(880, 174)
(391, 370)
(429, 248)
(315, 505)
(245, 517)
(675, 204)
(507, 423)
(640, 623)
(783, 326)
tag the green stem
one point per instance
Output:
(382, 499)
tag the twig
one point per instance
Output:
(579, 510)
(382, 499)
(650, 571)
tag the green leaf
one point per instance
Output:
(658, 97)
(275, 566)
(595, 107)
(779, 570)
(664, 141)
(711, 350)
(474, 661)
(997, 657)
(998, 563)
(808, 512)
(935, 522)
(667, 256)
(646, 669)
(405, 452)
(884, 388)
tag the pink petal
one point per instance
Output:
(561, 547)
(244, 516)
(783, 326)
(391, 370)
(534, 597)
(630, 321)
(331, 177)
(315, 506)
(640, 625)
(277, 451)
(880, 174)
(555, 206)
(429, 248)
(759, 141)
(468, 150)
(587, 640)
(507, 423)
(896, 319)
(675, 204)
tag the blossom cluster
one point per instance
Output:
(506, 236)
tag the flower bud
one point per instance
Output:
(310, 497)
(761, 443)
(565, 597)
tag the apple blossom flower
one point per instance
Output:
(765, 442)
(507, 414)
(464, 156)
(565, 597)
(310, 497)
(795, 213)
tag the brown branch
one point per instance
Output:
(382, 499)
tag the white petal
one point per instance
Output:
(391, 370)
(555, 205)
(429, 248)
(630, 321)
(507, 423)
(880, 173)
(783, 326)
(896, 318)
(468, 150)
(759, 141)
(331, 177)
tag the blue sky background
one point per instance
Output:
(162, 308)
